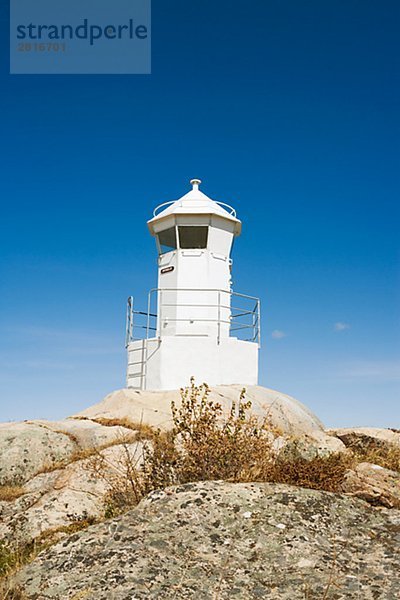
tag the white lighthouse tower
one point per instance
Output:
(194, 325)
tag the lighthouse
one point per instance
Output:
(194, 323)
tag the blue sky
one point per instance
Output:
(287, 110)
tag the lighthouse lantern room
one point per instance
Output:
(194, 324)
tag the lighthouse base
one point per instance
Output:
(169, 362)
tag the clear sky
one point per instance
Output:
(287, 110)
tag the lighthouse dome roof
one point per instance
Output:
(195, 202)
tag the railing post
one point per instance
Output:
(253, 324)
(160, 316)
(148, 315)
(219, 318)
(129, 321)
(127, 324)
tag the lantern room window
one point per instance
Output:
(193, 237)
(167, 240)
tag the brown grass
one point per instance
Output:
(8, 493)
(13, 593)
(142, 430)
(50, 536)
(74, 439)
(85, 453)
(320, 473)
(382, 454)
(13, 558)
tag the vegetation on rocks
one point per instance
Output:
(208, 441)
(384, 455)
(84, 453)
(12, 558)
(16, 550)
(141, 430)
(206, 445)
(225, 541)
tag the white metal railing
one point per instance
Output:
(227, 207)
(221, 312)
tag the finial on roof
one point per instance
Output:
(195, 183)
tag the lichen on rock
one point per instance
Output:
(223, 540)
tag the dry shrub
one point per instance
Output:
(8, 493)
(320, 473)
(122, 476)
(159, 462)
(202, 446)
(382, 454)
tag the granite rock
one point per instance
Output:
(223, 540)
(366, 436)
(284, 413)
(373, 483)
(30, 447)
(58, 498)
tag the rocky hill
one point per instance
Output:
(200, 540)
